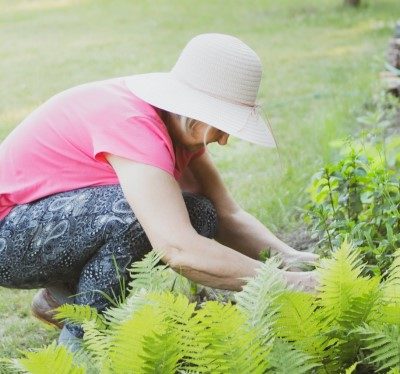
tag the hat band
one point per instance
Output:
(254, 112)
(222, 98)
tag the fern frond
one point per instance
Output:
(345, 295)
(284, 358)
(78, 314)
(391, 287)
(133, 302)
(126, 344)
(388, 310)
(164, 359)
(176, 308)
(149, 275)
(50, 360)
(382, 345)
(97, 345)
(363, 305)
(157, 335)
(85, 359)
(300, 321)
(227, 343)
(258, 298)
(178, 314)
(181, 284)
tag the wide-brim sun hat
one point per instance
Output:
(216, 81)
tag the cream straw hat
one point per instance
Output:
(216, 81)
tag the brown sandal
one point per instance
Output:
(42, 307)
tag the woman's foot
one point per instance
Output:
(42, 307)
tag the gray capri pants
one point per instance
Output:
(77, 240)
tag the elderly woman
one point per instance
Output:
(102, 173)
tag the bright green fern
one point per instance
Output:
(284, 359)
(352, 323)
(382, 346)
(258, 298)
(51, 360)
(78, 314)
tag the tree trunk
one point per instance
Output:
(352, 2)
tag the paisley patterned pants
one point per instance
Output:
(83, 240)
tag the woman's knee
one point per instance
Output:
(202, 213)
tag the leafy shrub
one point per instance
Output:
(352, 323)
(358, 199)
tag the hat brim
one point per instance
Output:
(164, 91)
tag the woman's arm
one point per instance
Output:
(237, 228)
(247, 234)
(156, 200)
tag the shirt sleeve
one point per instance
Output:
(138, 139)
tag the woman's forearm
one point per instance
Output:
(212, 264)
(207, 262)
(246, 234)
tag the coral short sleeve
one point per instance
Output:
(138, 139)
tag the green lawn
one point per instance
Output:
(321, 64)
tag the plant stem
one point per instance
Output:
(355, 184)
(330, 191)
(327, 230)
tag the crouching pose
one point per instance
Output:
(102, 173)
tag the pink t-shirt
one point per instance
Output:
(61, 145)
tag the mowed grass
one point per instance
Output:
(321, 64)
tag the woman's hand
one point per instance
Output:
(307, 281)
(299, 260)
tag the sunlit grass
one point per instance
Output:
(18, 330)
(29, 5)
(321, 64)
